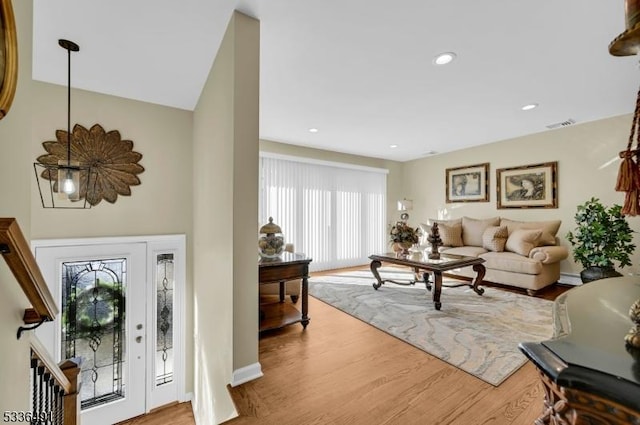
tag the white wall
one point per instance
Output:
(587, 166)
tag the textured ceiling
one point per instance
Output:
(360, 71)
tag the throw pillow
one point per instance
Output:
(549, 228)
(494, 238)
(426, 228)
(522, 241)
(451, 234)
(472, 229)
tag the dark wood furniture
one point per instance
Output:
(588, 374)
(288, 266)
(420, 261)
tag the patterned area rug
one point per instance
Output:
(478, 334)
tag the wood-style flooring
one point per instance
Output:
(342, 371)
(175, 414)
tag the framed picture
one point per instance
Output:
(468, 184)
(529, 186)
(8, 57)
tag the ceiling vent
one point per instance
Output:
(566, 123)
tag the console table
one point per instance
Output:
(588, 374)
(288, 266)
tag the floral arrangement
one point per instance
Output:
(401, 232)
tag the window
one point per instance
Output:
(333, 213)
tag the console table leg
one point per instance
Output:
(281, 291)
(477, 281)
(305, 303)
(437, 288)
(375, 265)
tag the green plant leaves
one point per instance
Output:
(602, 237)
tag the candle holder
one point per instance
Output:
(632, 338)
(435, 241)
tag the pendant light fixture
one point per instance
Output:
(69, 180)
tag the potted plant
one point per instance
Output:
(403, 237)
(601, 239)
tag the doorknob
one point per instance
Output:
(139, 326)
(138, 339)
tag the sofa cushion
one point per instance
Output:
(451, 234)
(467, 251)
(549, 228)
(426, 228)
(522, 241)
(494, 238)
(511, 262)
(472, 229)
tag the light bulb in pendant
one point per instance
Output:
(68, 186)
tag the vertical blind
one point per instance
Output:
(333, 214)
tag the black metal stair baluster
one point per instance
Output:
(40, 389)
(52, 402)
(60, 409)
(47, 401)
(34, 382)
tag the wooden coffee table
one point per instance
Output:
(420, 263)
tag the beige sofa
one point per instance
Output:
(523, 254)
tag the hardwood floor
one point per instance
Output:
(342, 371)
(175, 414)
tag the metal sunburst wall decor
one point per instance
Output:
(112, 164)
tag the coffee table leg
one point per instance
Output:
(375, 265)
(425, 278)
(477, 281)
(437, 288)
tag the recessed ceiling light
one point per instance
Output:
(313, 130)
(529, 107)
(393, 146)
(444, 58)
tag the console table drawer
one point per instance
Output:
(283, 272)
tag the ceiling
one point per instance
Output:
(360, 71)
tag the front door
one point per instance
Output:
(101, 290)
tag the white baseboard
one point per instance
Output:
(570, 279)
(246, 374)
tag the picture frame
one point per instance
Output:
(528, 186)
(8, 57)
(467, 184)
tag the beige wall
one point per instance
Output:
(15, 180)
(162, 204)
(585, 169)
(395, 187)
(225, 215)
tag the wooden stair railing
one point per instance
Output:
(55, 388)
(16, 252)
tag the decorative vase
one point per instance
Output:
(271, 242)
(402, 248)
(596, 273)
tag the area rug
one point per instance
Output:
(477, 334)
